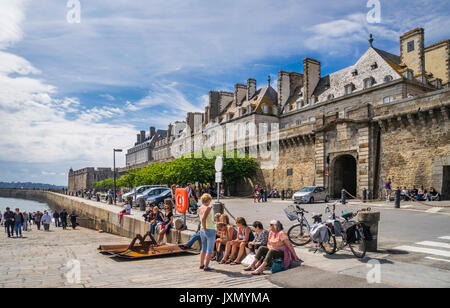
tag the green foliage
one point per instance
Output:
(187, 170)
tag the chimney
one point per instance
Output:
(251, 88)
(412, 50)
(152, 131)
(311, 73)
(142, 136)
(240, 92)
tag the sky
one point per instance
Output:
(70, 91)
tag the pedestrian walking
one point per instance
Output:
(207, 232)
(18, 221)
(388, 189)
(73, 220)
(1, 219)
(8, 216)
(56, 218)
(63, 218)
(25, 221)
(37, 219)
(46, 221)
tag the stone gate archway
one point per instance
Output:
(344, 175)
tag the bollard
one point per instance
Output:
(282, 194)
(218, 208)
(397, 198)
(364, 195)
(98, 197)
(343, 200)
(371, 219)
(142, 204)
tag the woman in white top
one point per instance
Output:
(207, 232)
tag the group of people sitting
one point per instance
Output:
(420, 194)
(163, 219)
(218, 237)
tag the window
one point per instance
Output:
(388, 79)
(349, 89)
(388, 99)
(265, 109)
(264, 128)
(312, 119)
(312, 100)
(368, 82)
(374, 66)
(241, 112)
(287, 125)
(299, 105)
(410, 46)
(274, 110)
(298, 122)
(330, 97)
(355, 73)
(290, 172)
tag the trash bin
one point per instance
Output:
(371, 219)
(142, 204)
(218, 208)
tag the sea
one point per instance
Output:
(23, 205)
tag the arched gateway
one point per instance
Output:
(344, 175)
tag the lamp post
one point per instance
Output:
(114, 162)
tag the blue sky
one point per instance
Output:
(70, 92)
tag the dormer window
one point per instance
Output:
(265, 109)
(349, 88)
(368, 82)
(312, 100)
(388, 79)
(330, 97)
(249, 109)
(355, 73)
(274, 110)
(374, 66)
(241, 112)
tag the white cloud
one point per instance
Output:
(164, 95)
(11, 15)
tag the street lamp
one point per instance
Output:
(114, 159)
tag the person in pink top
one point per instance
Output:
(278, 246)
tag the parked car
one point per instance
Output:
(139, 190)
(152, 192)
(159, 199)
(311, 194)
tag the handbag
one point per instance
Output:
(277, 266)
(249, 259)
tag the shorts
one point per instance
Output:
(208, 240)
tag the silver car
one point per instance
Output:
(137, 191)
(311, 194)
(152, 192)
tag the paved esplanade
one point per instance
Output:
(414, 246)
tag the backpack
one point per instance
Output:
(277, 266)
(319, 233)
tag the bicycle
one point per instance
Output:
(300, 234)
(352, 232)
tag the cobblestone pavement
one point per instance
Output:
(40, 258)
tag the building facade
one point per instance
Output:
(84, 178)
(386, 116)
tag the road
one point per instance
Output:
(414, 241)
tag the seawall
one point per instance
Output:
(94, 215)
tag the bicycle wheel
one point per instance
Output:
(358, 248)
(330, 245)
(299, 235)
